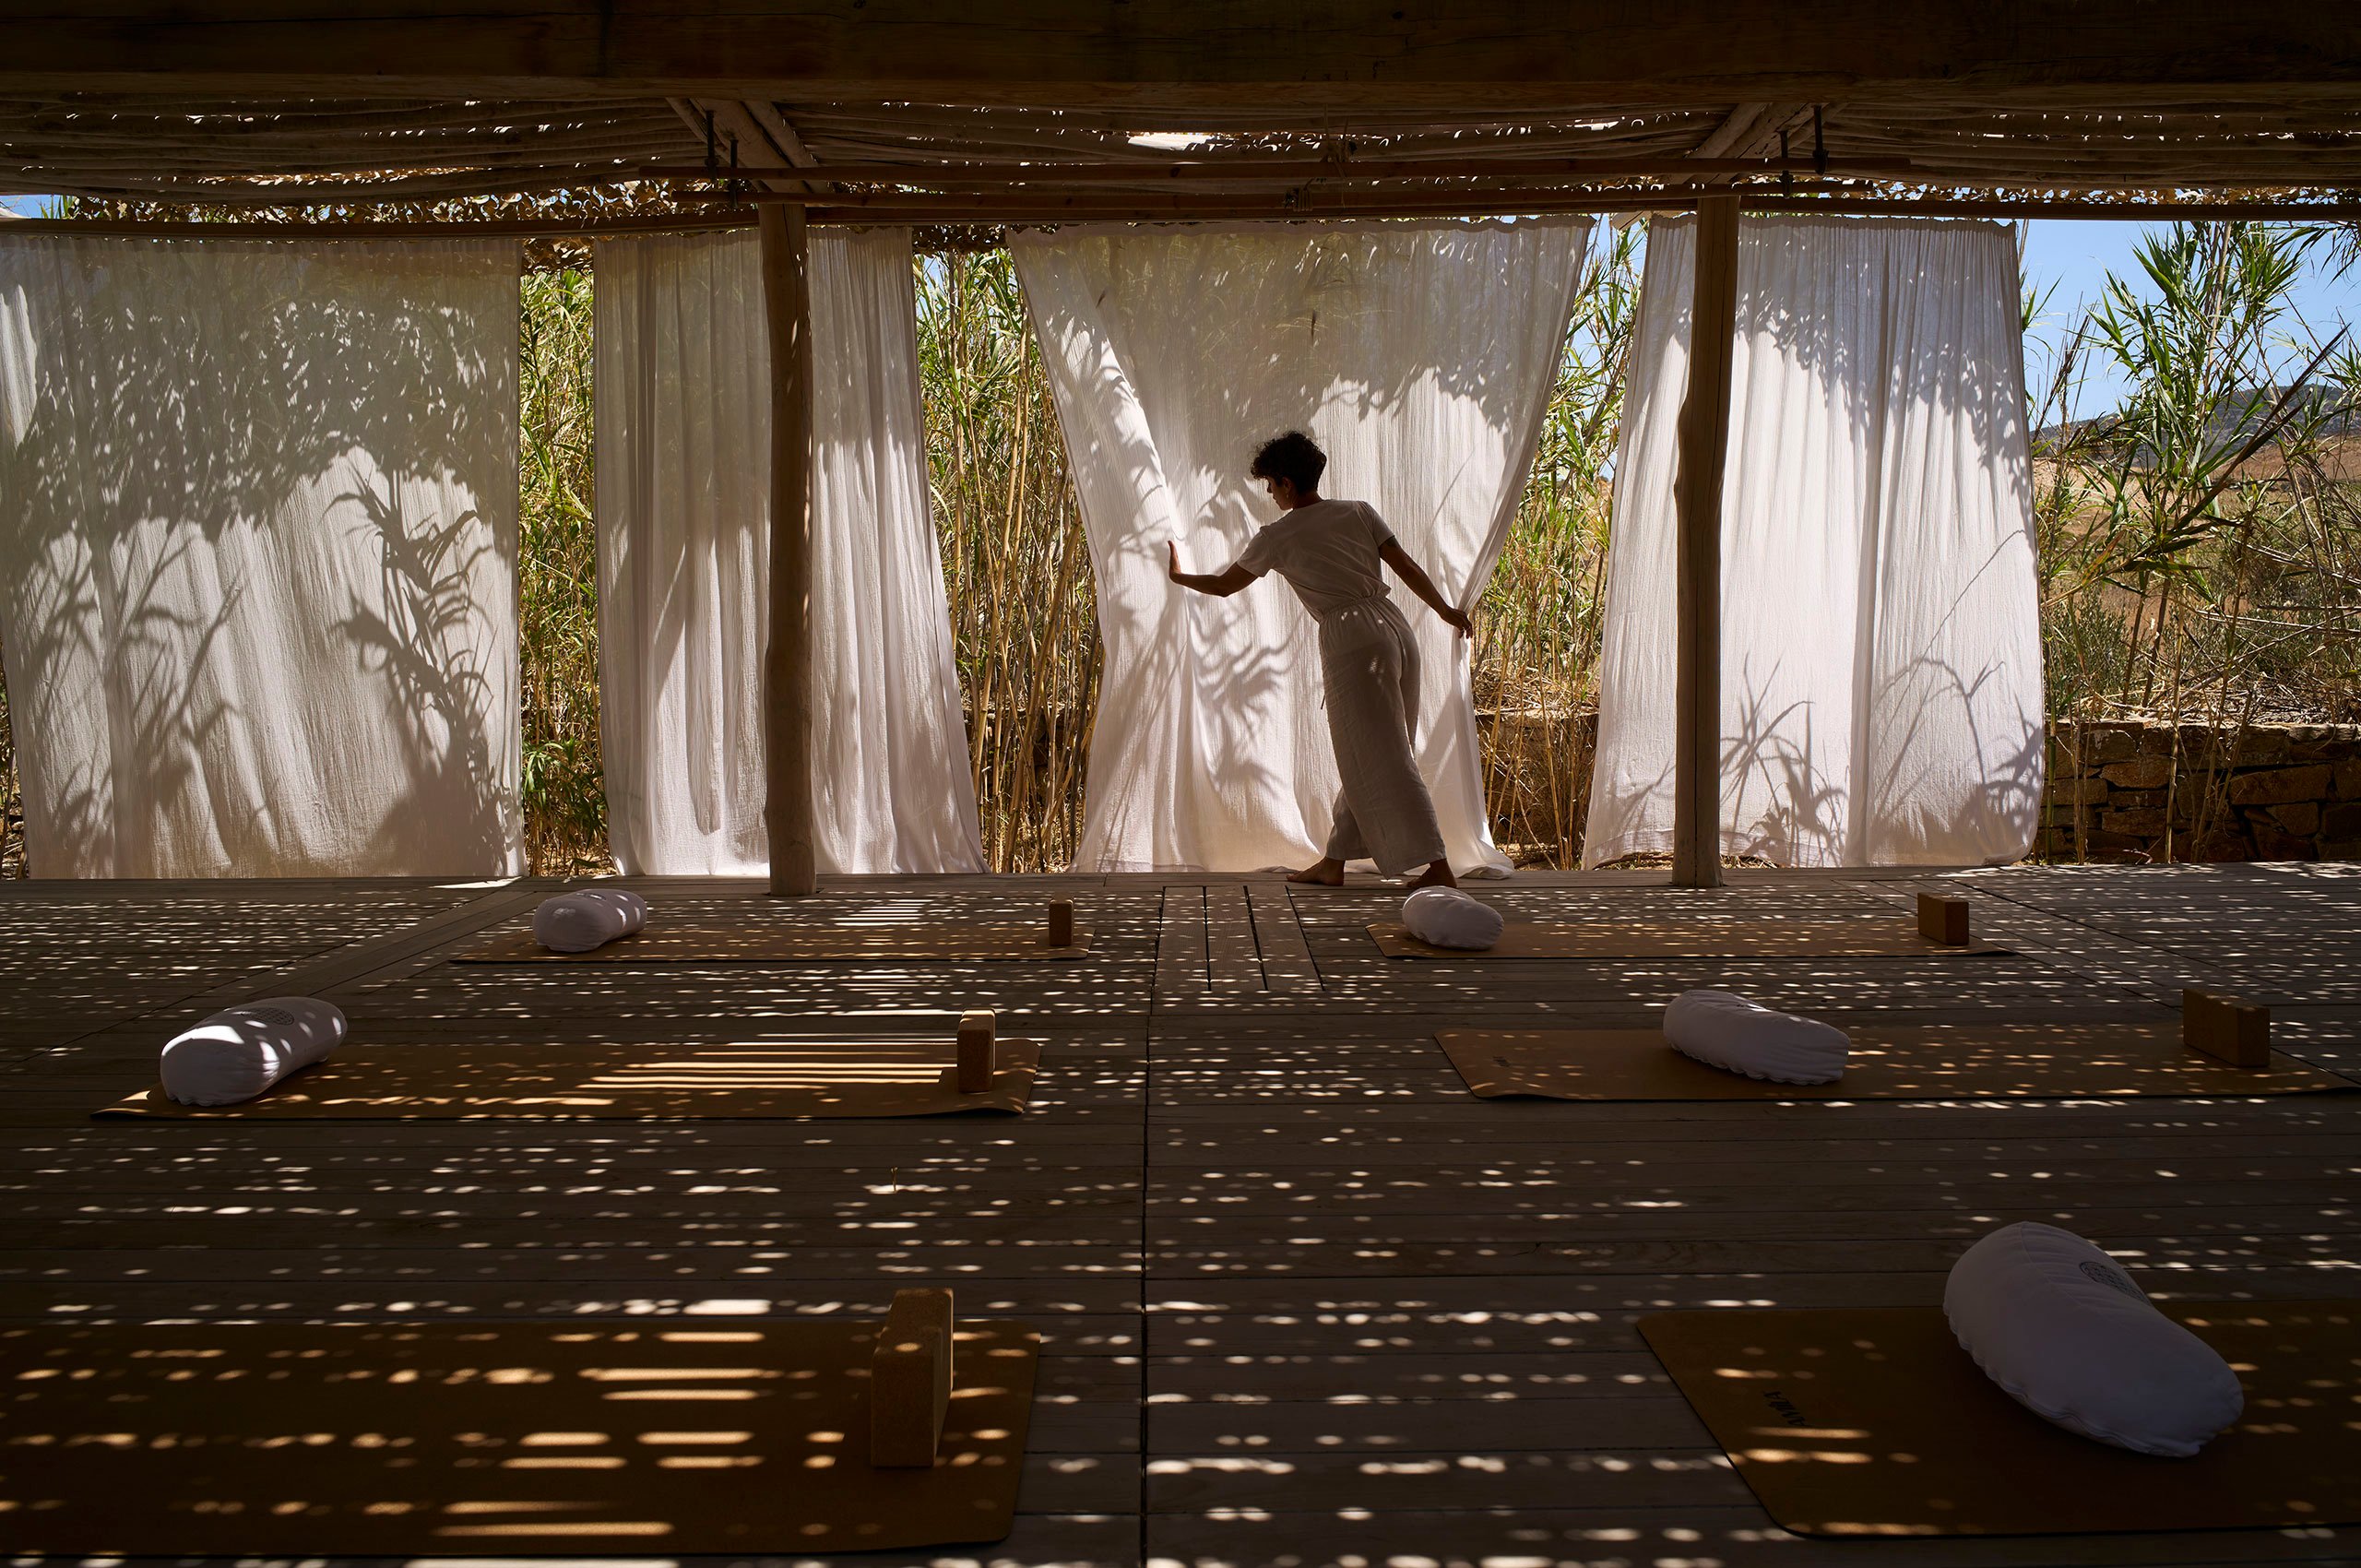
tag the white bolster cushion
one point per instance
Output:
(1444, 917)
(1739, 1034)
(630, 906)
(240, 1051)
(2072, 1338)
(577, 922)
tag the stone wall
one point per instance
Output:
(2153, 791)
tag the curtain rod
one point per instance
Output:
(825, 209)
(1265, 170)
(353, 229)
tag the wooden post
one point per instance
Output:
(1704, 438)
(909, 1379)
(787, 658)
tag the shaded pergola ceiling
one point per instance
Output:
(277, 101)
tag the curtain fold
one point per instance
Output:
(683, 395)
(1420, 357)
(258, 555)
(1881, 682)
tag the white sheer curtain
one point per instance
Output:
(683, 450)
(1882, 685)
(1420, 357)
(258, 555)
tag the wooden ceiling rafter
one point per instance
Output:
(275, 105)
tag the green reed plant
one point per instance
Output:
(2198, 543)
(557, 584)
(1024, 616)
(1538, 629)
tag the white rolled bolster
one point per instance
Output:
(240, 1051)
(580, 921)
(1739, 1035)
(2071, 1336)
(1444, 917)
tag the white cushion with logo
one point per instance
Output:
(580, 921)
(1444, 917)
(2072, 1338)
(1722, 1029)
(240, 1051)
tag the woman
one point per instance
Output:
(1329, 551)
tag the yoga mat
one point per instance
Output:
(1982, 1061)
(1874, 1422)
(671, 941)
(490, 1439)
(1756, 937)
(764, 1080)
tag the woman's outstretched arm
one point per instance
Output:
(1411, 573)
(1221, 584)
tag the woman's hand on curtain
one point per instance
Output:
(1221, 584)
(1457, 619)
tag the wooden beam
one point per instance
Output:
(787, 655)
(920, 213)
(363, 229)
(1704, 441)
(1214, 53)
(1735, 128)
(784, 136)
(1262, 170)
(745, 129)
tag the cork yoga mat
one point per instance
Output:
(1874, 1422)
(755, 942)
(1982, 1061)
(1699, 938)
(485, 1440)
(763, 1081)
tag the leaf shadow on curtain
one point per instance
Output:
(418, 631)
(176, 443)
(1883, 376)
(1210, 349)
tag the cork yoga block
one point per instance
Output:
(2237, 1032)
(978, 1041)
(1943, 919)
(909, 1381)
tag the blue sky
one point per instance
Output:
(2076, 258)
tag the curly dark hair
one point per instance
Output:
(1292, 457)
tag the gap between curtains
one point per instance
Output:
(258, 555)
(683, 396)
(1421, 358)
(1881, 680)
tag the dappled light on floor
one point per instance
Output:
(717, 1437)
(1303, 1297)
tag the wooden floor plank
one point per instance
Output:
(1181, 960)
(1304, 1299)
(1287, 967)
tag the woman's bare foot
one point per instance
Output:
(1436, 875)
(1326, 874)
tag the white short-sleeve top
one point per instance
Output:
(1327, 551)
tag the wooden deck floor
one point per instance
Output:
(1305, 1301)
